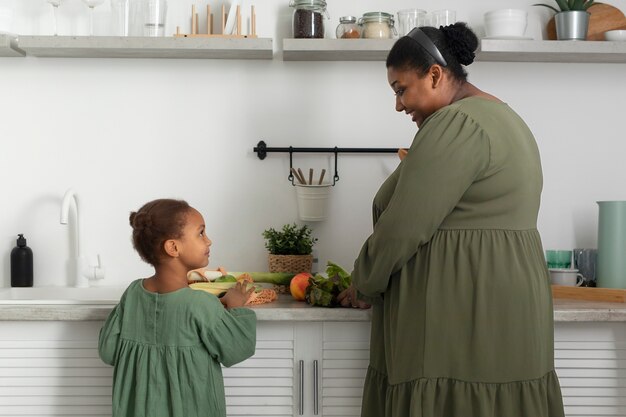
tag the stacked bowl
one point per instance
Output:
(505, 23)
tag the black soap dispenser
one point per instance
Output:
(21, 264)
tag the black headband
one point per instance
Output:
(425, 42)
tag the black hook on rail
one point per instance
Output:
(262, 150)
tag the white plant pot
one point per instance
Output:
(312, 201)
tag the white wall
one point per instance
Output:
(124, 131)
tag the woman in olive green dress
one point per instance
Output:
(462, 322)
(165, 340)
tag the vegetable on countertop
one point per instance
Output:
(322, 291)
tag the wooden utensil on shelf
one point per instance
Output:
(298, 177)
(322, 176)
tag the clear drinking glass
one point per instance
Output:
(55, 7)
(92, 4)
(155, 13)
(121, 13)
(442, 18)
(409, 19)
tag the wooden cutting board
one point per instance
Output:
(612, 295)
(603, 17)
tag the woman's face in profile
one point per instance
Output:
(415, 95)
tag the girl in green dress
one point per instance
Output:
(165, 340)
(462, 321)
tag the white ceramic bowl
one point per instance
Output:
(505, 23)
(615, 35)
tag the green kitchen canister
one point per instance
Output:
(611, 268)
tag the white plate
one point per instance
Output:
(506, 38)
(231, 21)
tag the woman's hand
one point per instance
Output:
(347, 298)
(237, 296)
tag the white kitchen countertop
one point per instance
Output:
(287, 309)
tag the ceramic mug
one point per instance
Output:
(585, 262)
(566, 276)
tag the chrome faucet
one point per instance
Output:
(83, 272)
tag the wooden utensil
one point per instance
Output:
(603, 17)
(322, 176)
(310, 176)
(302, 176)
(295, 174)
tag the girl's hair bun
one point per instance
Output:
(461, 41)
(140, 221)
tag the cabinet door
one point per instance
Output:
(590, 361)
(331, 362)
(263, 385)
(53, 369)
(345, 354)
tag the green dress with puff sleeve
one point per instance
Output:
(462, 321)
(167, 350)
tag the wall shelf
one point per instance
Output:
(489, 50)
(9, 48)
(336, 49)
(552, 51)
(145, 47)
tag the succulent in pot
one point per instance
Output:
(571, 19)
(569, 5)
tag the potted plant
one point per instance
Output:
(290, 248)
(571, 19)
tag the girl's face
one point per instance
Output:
(416, 95)
(194, 244)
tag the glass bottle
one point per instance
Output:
(377, 25)
(348, 28)
(308, 18)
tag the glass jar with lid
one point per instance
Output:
(308, 18)
(348, 28)
(377, 25)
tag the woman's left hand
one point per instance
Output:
(347, 298)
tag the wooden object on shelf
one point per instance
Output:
(612, 295)
(209, 16)
(603, 17)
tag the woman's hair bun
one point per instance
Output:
(461, 42)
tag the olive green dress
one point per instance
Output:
(462, 321)
(167, 350)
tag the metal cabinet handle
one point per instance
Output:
(301, 403)
(315, 388)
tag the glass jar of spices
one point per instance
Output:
(377, 25)
(308, 18)
(348, 28)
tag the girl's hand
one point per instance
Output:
(347, 298)
(237, 296)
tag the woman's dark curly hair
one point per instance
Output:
(456, 43)
(154, 223)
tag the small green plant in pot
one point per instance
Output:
(571, 19)
(290, 248)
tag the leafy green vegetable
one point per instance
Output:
(226, 278)
(323, 291)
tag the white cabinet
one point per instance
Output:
(301, 369)
(590, 360)
(53, 369)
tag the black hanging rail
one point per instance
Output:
(262, 150)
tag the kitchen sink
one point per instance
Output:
(61, 295)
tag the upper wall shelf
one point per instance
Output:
(140, 47)
(489, 50)
(8, 47)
